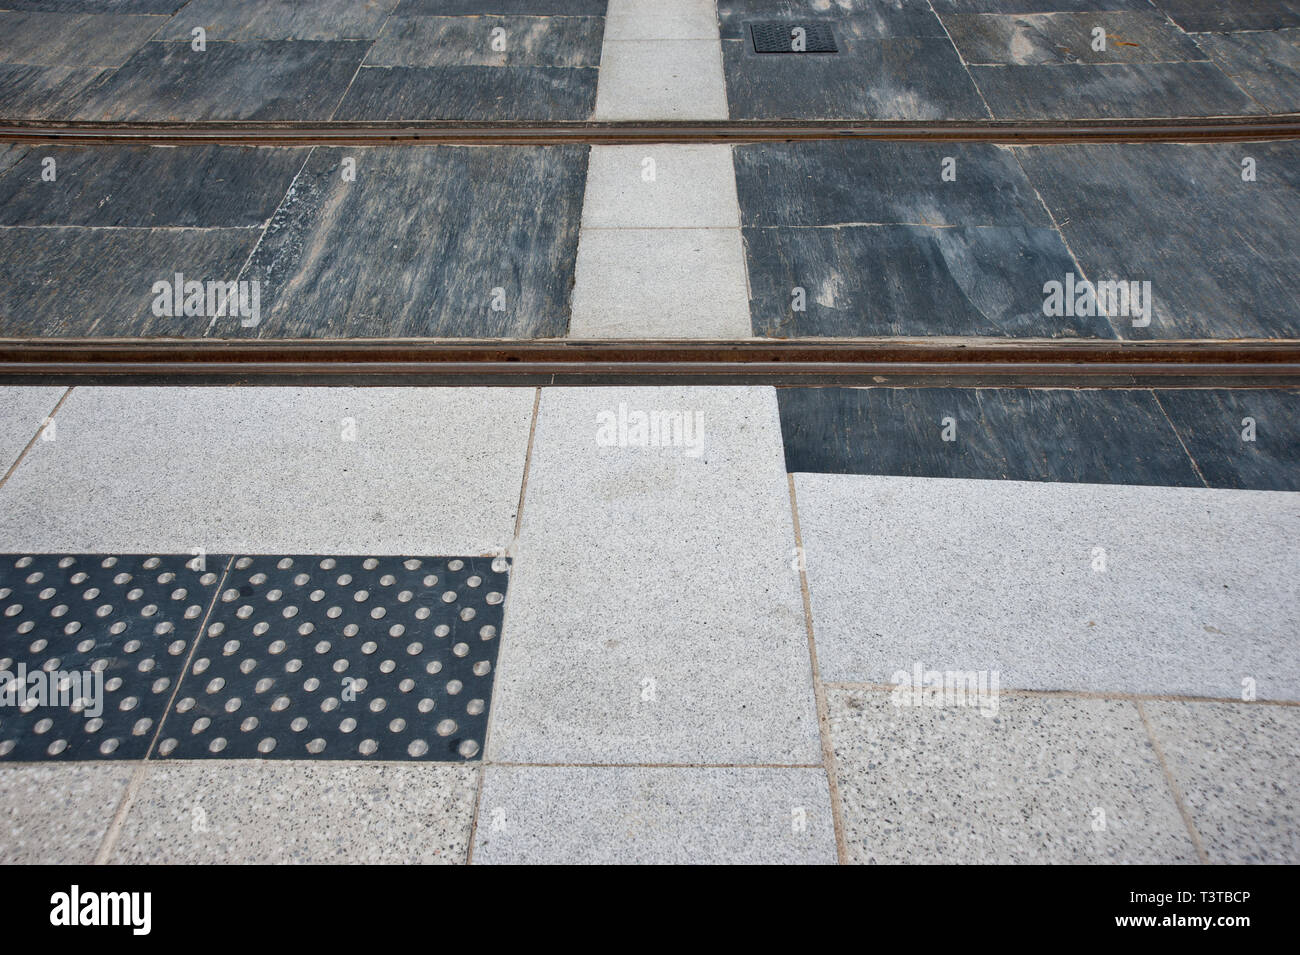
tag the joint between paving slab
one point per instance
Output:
(1173, 785)
(36, 437)
(1079, 694)
(1181, 443)
(114, 832)
(819, 691)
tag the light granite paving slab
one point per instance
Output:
(662, 20)
(661, 79)
(1042, 781)
(654, 615)
(241, 811)
(660, 283)
(273, 470)
(613, 815)
(1197, 591)
(58, 814)
(660, 186)
(23, 412)
(1238, 768)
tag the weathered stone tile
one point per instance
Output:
(1265, 65)
(280, 19)
(60, 39)
(1240, 439)
(859, 18)
(468, 41)
(469, 93)
(1198, 16)
(43, 92)
(1056, 38)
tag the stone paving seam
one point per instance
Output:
(961, 59)
(1174, 428)
(1083, 694)
(36, 437)
(1173, 785)
(819, 690)
(114, 830)
(355, 73)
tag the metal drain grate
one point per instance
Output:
(331, 657)
(91, 648)
(782, 37)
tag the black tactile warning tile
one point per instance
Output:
(784, 36)
(344, 658)
(1240, 439)
(131, 620)
(1219, 250)
(1089, 437)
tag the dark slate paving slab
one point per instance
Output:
(470, 93)
(148, 186)
(158, 7)
(859, 18)
(280, 19)
(1212, 424)
(908, 280)
(1036, 6)
(11, 154)
(1266, 65)
(258, 79)
(109, 637)
(829, 183)
(43, 92)
(467, 41)
(1056, 38)
(536, 8)
(344, 658)
(77, 282)
(1216, 15)
(416, 245)
(1128, 91)
(900, 78)
(81, 40)
(1220, 253)
(1090, 437)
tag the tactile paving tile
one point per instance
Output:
(776, 37)
(130, 618)
(344, 658)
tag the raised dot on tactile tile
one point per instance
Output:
(367, 747)
(247, 666)
(316, 596)
(397, 725)
(176, 647)
(146, 665)
(474, 581)
(369, 647)
(200, 725)
(343, 580)
(192, 611)
(422, 613)
(250, 723)
(113, 684)
(105, 563)
(14, 610)
(411, 564)
(163, 628)
(47, 593)
(57, 747)
(388, 666)
(425, 705)
(109, 746)
(338, 666)
(274, 595)
(217, 745)
(180, 593)
(378, 704)
(387, 580)
(467, 748)
(415, 648)
(329, 704)
(231, 647)
(446, 727)
(441, 630)
(299, 724)
(233, 704)
(208, 579)
(161, 684)
(406, 685)
(454, 686)
(500, 565)
(285, 563)
(347, 725)
(323, 647)
(103, 610)
(474, 707)
(404, 596)
(311, 684)
(185, 705)
(378, 613)
(67, 561)
(417, 747)
(448, 596)
(493, 597)
(433, 666)
(361, 596)
(27, 626)
(306, 630)
(482, 668)
(6, 747)
(38, 645)
(141, 726)
(227, 596)
(301, 579)
(289, 611)
(280, 703)
(351, 630)
(488, 632)
(201, 665)
(293, 666)
(94, 724)
(461, 649)
(266, 745)
(277, 646)
(327, 564)
(244, 612)
(396, 630)
(316, 746)
(167, 746)
(467, 613)
(59, 611)
(263, 685)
